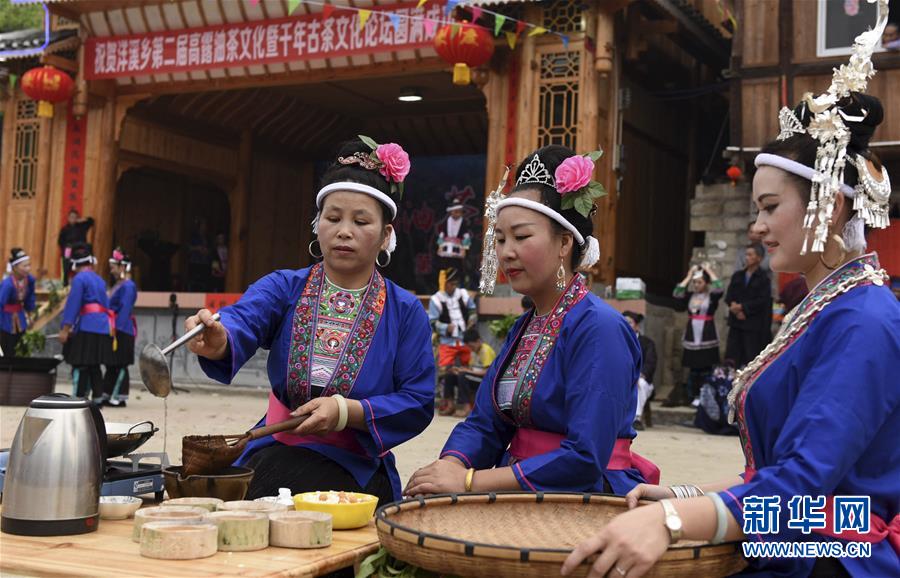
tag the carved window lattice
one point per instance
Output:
(25, 160)
(558, 99)
(563, 16)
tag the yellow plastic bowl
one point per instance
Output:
(344, 516)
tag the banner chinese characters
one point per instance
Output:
(73, 176)
(388, 28)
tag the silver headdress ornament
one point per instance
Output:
(488, 253)
(828, 126)
(536, 172)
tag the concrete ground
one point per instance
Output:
(683, 454)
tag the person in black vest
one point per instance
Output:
(454, 241)
(451, 311)
(749, 300)
(699, 292)
(648, 367)
(74, 232)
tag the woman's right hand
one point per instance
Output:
(647, 492)
(212, 342)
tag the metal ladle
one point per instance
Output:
(155, 368)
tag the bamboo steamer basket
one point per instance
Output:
(524, 535)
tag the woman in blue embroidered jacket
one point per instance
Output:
(346, 346)
(17, 299)
(88, 326)
(819, 409)
(122, 297)
(562, 393)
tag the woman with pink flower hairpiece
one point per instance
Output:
(347, 347)
(554, 411)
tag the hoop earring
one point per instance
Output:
(379, 263)
(843, 247)
(310, 249)
(560, 277)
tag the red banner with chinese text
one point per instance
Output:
(73, 175)
(309, 37)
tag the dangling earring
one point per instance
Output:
(379, 263)
(310, 248)
(842, 246)
(560, 277)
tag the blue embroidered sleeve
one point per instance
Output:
(397, 417)
(251, 324)
(30, 296)
(73, 301)
(129, 295)
(847, 395)
(601, 359)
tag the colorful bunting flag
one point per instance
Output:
(477, 11)
(421, 3)
(254, 2)
(520, 26)
(429, 27)
(292, 5)
(537, 31)
(511, 39)
(451, 4)
(327, 11)
(12, 81)
(395, 21)
(499, 21)
(363, 18)
(565, 40)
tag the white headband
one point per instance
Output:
(356, 188)
(454, 207)
(544, 210)
(19, 260)
(795, 168)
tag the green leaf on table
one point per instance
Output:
(372, 564)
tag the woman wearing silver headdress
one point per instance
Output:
(555, 409)
(819, 409)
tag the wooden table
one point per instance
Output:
(110, 552)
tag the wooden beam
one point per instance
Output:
(133, 159)
(292, 77)
(240, 216)
(59, 62)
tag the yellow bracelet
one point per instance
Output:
(469, 476)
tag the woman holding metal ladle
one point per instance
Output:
(348, 349)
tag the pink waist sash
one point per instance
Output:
(879, 530)
(531, 442)
(701, 317)
(345, 440)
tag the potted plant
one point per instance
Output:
(24, 377)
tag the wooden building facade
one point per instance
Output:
(240, 142)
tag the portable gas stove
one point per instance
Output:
(130, 475)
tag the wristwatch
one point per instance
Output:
(672, 522)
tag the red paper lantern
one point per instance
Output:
(464, 45)
(47, 85)
(734, 173)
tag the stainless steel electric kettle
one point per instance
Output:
(56, 463)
